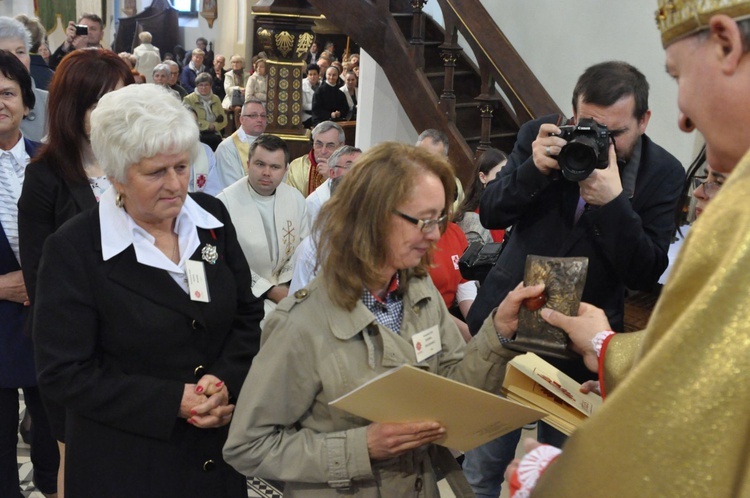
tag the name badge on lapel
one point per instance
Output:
(427, 343)
(197, 285)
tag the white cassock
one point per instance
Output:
(268, 252)
(231, 162)
(315, 200)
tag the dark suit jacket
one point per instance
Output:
(47, 201)
(625, 240)
(217, 87)
(16, 352)
(116, 343)
(41, 72)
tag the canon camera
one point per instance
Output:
(586, 150)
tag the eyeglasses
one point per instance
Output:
(710, 189)
(255, 115)
(425, 226)
(330, 146)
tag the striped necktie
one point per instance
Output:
(10, 191)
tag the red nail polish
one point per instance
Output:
(193, 412)
(199, 389)
(219, 384)
(190, 421)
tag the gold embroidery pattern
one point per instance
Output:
(289, 238)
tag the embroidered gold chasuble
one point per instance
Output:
(676, 421)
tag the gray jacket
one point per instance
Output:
(283, 427)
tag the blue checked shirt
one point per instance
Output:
(389, 312)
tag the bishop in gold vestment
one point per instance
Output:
(676, 421)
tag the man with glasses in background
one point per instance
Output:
(174, 76)
(308, 172)
(305, 260)
(338, 165)
(233, 152)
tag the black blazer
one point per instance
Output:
(47, 201)
(626, 240)
(116, 342)
(40, 71)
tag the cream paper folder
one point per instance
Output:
(408, 394)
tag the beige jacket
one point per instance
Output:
(231, 83)
(256, 87)
(283, 427)
(192, 101)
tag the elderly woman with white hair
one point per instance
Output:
(16, 39)
(156, 328)
(160, 76)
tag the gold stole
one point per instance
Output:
(243, 148)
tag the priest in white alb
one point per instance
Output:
(270, 218)
(232, 152)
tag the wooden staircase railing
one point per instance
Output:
(436, 84)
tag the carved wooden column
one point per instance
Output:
(285, 33)
(417, 32)
(487, 111)
(488, 102)
(449, 54)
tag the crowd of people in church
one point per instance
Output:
(181, 300)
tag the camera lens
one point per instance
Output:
(578, 158)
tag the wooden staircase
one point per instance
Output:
(436, 83)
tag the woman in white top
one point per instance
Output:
(235, 80)
(257, 84)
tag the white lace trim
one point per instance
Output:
(531, 467)
(598, 341)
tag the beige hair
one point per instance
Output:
(145, 37)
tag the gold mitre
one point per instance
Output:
(679, 18)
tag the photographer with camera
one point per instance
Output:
(599, 188)
(88, 32)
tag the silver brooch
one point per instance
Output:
(209, 254)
